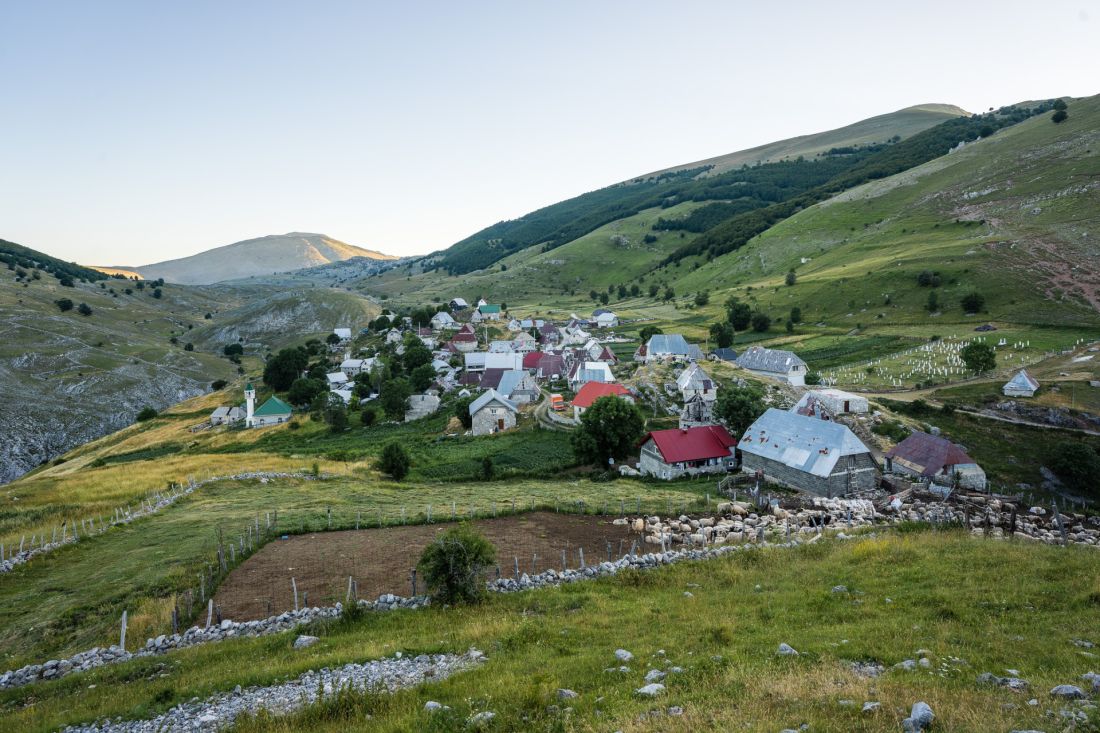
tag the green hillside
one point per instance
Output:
(903, 123)
(764, 183)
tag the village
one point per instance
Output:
(505, 372)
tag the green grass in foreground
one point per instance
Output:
(71, 599)
(977, 605)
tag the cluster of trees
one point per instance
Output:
(979, 357)
(1060, 114)
(17, 256)
(741, 316)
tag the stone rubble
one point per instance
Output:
(148, 507)
(221, 710)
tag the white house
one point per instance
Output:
(774, 363)
(443, 320)
(832, 402)
(693, 381)
(479, 361)
(354, 367)
(589, 371)
(666, 347)
(605, 319)
(1021, 385)
(676, 452)
(491, 413)
(337, 380)
(344, 334)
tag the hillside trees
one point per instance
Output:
(979, 357)
(394, 397)
(791, 278)
(282, 369)
(609, 429)
(761, 322)
(303, 391)
(234, 349)
(973, 303)
(738, 314)
(738, 407)
(64, 304)
(722, 333)
(422, 377)
(648, 332)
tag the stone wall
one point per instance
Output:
(864, 475)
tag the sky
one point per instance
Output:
(134, 132)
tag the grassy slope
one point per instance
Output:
(942, 592)
(904, 123)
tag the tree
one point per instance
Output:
(368, 416)
(422, 377)
(761, 322)
(66, 282)
(394, 397)
(738, 407)
(487, 468)
(928, 279)
(336, 414)
(979, 357)
(973, 302)
(610, 428)
(416, 354)
(722, 333)
(394, 461)
(218, 385)
(64, 304)
(1077, 465)
(282, 369)
(813, 378)
(603, 299)
(790, 326)
(147, 413)
(738, 314)
(791, 278)
(933, 303)
(702, 298)
(232, 349)
(157, 293)
(189, 346)
(796, 315)
(669, 294)
(381, 323)
(84, 309)
(1059, 104)
(654, 288)
(462, 412)
(455, 564)
(647, 332)
(304, 390)
(1059, 116)
(635, 290)
(332, 339)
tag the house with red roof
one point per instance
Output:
(677, 452)
(592, 391)
(464, 342)
(936, 459)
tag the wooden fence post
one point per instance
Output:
(294, 587)
(209, 612)
(122, 636)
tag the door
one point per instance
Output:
(847, 407)
(500, 423)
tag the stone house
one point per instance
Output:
(491, 413)
(226, 415)
(693, 381)
(936, 459)
(669, 454)
(809, 454)
(774, 363)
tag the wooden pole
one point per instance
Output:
(122, 636)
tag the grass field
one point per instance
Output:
(975, 605)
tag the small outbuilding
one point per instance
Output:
(936, 459)
(226, 415)
(831, 402)
(1021, 385)
(775, 363)
(491, 413)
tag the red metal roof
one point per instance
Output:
(692, 444)
(592, 391)
(531, 359)
(464, 337)
(929, 453)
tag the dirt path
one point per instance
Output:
(380, 560)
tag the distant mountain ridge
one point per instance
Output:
(275, 253)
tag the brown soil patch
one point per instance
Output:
(380, 560)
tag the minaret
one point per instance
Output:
(250, 404)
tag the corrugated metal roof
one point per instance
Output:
(1022, 380)
(760, 359)
(805, 443)
(928, 453)
(592, 391)
(667, 343)
(693, 444)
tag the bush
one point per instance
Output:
(487, 468)
(1059, 116)
(972, 302)
(218, 384)
(147, 413)
(1077, 465)
(454, 565)
(84, 309)
(462, 412)
(813, 378)
(761, 322)
(233, 350)
(64, 304)
(368, 416)
(791, 278)
(892, 429)
(394, 461)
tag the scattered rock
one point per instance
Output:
(1068, 692)
(786, 650)
(920, 718)
(305, 641)
(871, 707)
(623, 655)
(566, 694)
(651, 690)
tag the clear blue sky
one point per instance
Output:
(133, 132)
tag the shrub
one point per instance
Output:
(233, 350)
(791, 278)
(368, 416)
(487, 468)
(972, 302)
(1059, 116)
(64, 304)
(454, 565)
(813, 378)
(394, 461)
(761, 322)
(462, 412)
(147, 413)
(84, 309)
(218, 384)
